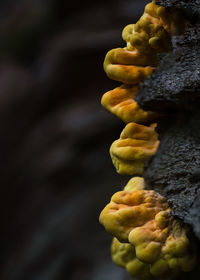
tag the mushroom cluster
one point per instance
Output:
(131, 65)
(148, 241)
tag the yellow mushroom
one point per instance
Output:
(127, 66)
(123, 254)
(150, 35)
(149, 242)
(120, 101)
(135, 183)
(138, 59)
(129, 210)
(136, 145)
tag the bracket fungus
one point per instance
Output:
(148, 241)
(120, 101)
(136, 145)
(135, 62)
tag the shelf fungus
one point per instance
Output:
(138, 59)
(136, 145)
(120, 101)
(148, 241)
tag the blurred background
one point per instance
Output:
(56, 172)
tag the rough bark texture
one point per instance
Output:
(187, 6)
(175, 89)
(175, 170)
(176, 83)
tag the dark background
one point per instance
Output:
(56, 172)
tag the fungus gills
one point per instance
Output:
(148, 241)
